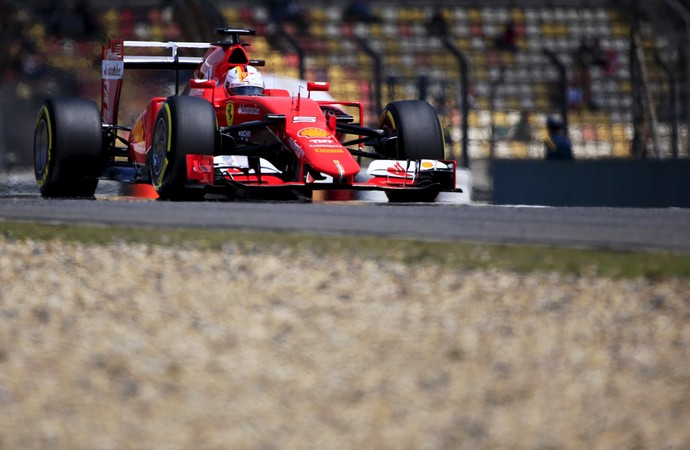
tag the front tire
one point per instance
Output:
(184, 125)
(417, 128)
(418, 135)
(68, 148)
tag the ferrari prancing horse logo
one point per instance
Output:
(229, 112)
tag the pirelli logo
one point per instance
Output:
(328, 150)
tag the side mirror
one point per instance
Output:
(315, 86)
(202, 84)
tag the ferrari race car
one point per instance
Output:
(205, 140)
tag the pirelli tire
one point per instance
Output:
(68, 147)
(418, 135)
(184, 125)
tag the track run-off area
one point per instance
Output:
(605, 228)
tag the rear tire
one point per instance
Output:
(184, 125)
(68, 148)
(419, 136)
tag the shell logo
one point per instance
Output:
(312, 132)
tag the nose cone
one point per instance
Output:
(326, 154)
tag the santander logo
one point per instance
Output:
(112, 70)
(249, 110)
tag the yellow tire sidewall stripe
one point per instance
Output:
(44, 115)
(159, 180)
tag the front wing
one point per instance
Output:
(232, 173)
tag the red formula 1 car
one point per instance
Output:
(210, 140)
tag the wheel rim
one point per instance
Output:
(41, 147)
(159, 148)
(388, 124)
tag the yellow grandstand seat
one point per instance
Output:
(473, 119)
(621, 149)
(317, 14)
(517, 15)
(519, 149)
(231, 15)
(603, 132)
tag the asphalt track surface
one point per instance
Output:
(610, 228)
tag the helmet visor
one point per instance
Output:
(247, 90)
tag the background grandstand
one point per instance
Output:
(625, 94)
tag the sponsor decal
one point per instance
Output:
(320, 144)
(249, 110)
(106, 96)
(321, 141)
(329, 145)
(435, 165)
(229, 113)
(313, 132)
(328, 150)
(112, 70)
(304, 119)
(114, 52)
(296, 148)
(110, 54)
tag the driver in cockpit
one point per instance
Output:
(244, 80)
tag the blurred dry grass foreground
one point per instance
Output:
(130, 345)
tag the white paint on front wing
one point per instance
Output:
(242, 162)
(400, 168)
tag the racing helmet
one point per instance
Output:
(244, 81)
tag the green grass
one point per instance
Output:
(463, 255)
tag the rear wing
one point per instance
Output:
(162, 55)
(172, 62)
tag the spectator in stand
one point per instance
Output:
(587, 55)
(507, 40)
(71, 20)
(85, 18)
(360, 11)
(557, 145)
(523, 129)
(281, 12)
(437, 25)
(590, 53)
(11, 34)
